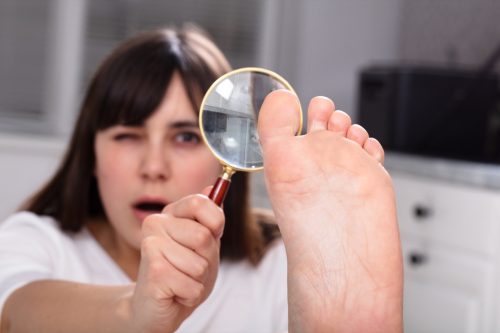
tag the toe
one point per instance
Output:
(339, 122)
(319, 111)
(280, 115)
(358, 134)
(373, 147)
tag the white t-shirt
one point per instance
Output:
(245, 298)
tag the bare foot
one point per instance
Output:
(335, 206)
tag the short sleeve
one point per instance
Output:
(26, 251)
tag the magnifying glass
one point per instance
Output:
(228, 121)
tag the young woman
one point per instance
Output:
(119, 240)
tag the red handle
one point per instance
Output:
(219, 191)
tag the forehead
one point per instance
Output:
(175, 104)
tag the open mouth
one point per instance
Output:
(145, 207)
(153, 207)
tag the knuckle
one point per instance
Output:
(149, 244)
(150, 223)
(197, 292)
(197, 201)
(202, 236)
(156, 270)
(190, 303)
(200, 268)
(147, 225)
(168, 209)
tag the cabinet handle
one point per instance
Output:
(417, 258)
(422, 212)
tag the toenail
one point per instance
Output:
(317, 125)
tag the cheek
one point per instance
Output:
(200, 172)
(112, 168)
(108, 165)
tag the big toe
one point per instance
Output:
(279, 116)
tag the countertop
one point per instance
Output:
(462, 172)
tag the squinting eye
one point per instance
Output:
(187, 137)
(125, 136)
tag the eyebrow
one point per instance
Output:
(183, 124)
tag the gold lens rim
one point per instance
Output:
(265, 71)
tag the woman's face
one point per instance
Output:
(141, 169)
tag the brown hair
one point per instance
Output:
(126, 89)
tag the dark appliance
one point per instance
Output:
(431, 111)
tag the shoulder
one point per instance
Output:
(27, 221)
(27, 252)
(33, 243)
(28, 233)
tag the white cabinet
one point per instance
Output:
(446, 291)
(450, 240)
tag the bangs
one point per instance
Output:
(133, 84)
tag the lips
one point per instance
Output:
(146, 206)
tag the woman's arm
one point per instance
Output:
(60, 306)
(179, 263)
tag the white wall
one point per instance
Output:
(455, 33)
(322, 44)
(318, 45)
(25, 164)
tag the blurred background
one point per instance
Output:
(419, 75)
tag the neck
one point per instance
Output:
(124, 255)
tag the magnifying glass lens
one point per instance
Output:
(228, 118)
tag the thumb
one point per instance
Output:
(206, 191)
(279, 115)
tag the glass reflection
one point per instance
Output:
(230, 116)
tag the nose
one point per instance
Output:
(155, 164)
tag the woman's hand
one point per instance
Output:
(179, 263)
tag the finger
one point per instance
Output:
(339, 122)
(186, 260)
(194, 236)
(319, 111)
(189, 292)
(163, 276)
(373, 147)
(187, 232)
(279, 116)
(199, 208)
(151, 226)
(357, 134)
(206, 191)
